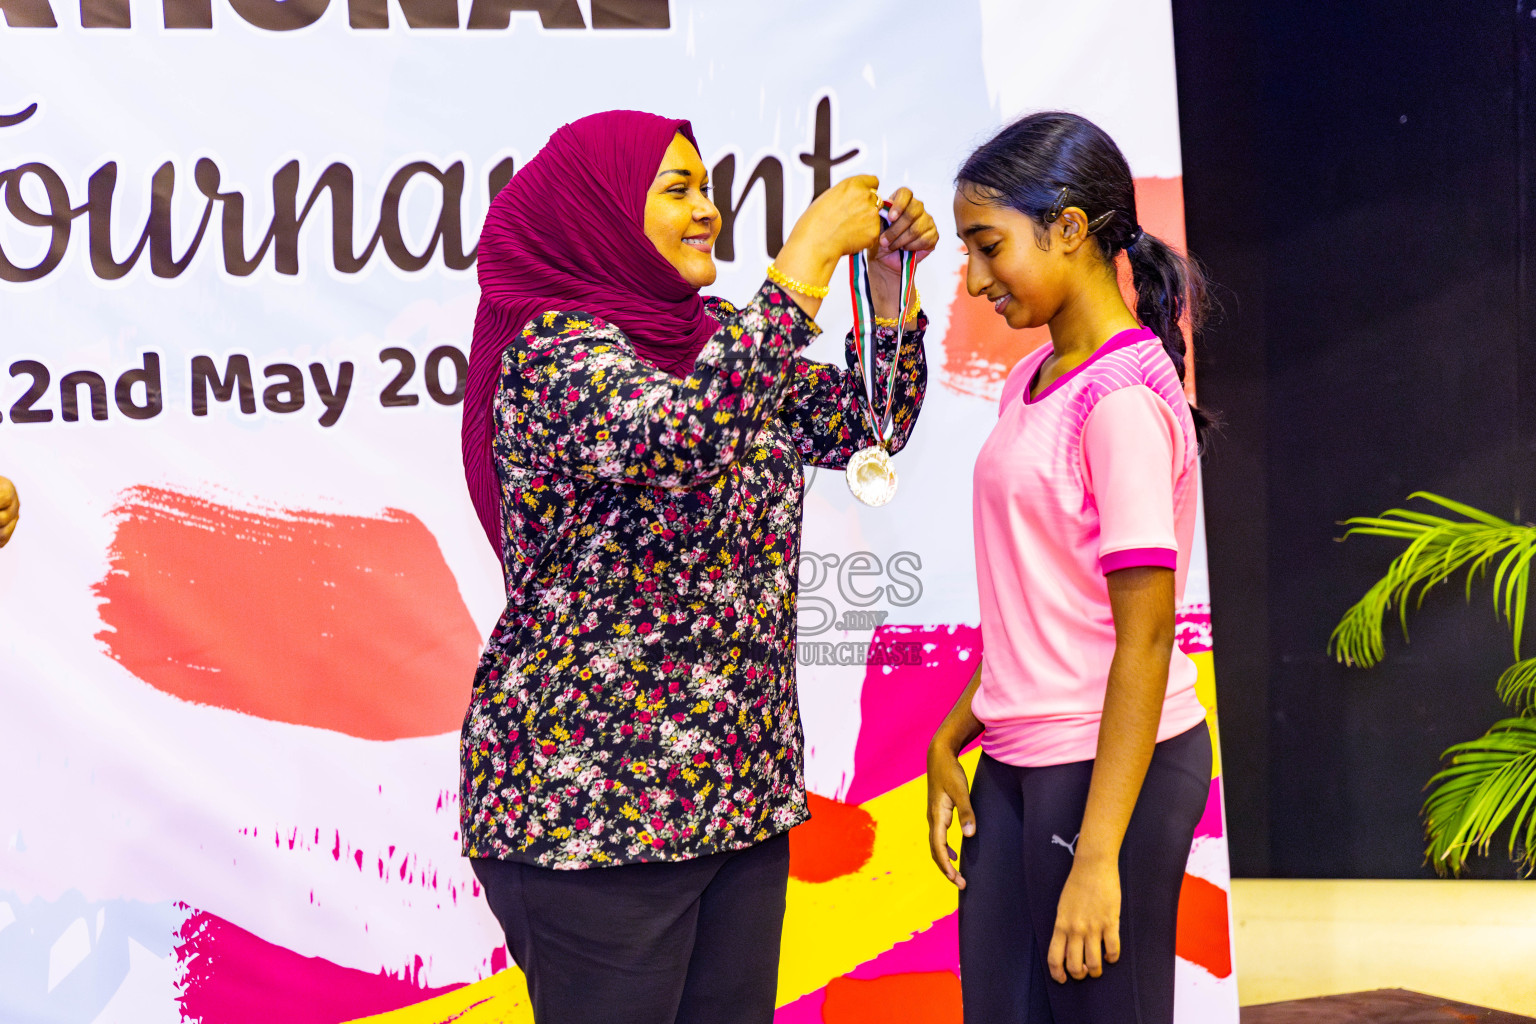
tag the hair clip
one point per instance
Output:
(1100, 221)
(1136, 236)
(1056, 207)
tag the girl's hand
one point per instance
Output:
(1087, 934)
(947, 792)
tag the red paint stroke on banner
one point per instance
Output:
(902, 705)
(341, 622)
(1203, 937)
(233, 977)
(838, 840)
(932, 997)
(979, 346)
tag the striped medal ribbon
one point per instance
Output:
(870, 473)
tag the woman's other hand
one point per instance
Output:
(912, 230)
(10, 510)
(844, 219)
(1087, 934)
(948, 793)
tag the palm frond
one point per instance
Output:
(1438, 547)
(1517, 686)
(1489, 781)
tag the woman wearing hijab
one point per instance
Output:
(632, 759)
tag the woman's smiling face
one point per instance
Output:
(680, 220)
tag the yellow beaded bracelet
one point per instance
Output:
(778, 277)
(911, 313)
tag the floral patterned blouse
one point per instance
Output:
(636, 700)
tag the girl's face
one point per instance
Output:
(1005, 261)
(679, 218)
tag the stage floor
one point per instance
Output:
(1470, 942)
(1384, 1006)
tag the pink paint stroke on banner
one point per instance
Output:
(935, 948)
(233, 977)
(1192, 628)
(393, 865)
(1210, 826)
(902, 705)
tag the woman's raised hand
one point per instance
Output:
(845, 216)
(844, 219)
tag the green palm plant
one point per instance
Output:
(1490, 780)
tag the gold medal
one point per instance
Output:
(872, 476)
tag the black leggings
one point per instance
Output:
(690, 942)
(1027, 822)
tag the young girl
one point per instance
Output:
(1096, 760)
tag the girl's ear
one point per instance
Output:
(1072, 227)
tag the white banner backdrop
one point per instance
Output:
(239, 617)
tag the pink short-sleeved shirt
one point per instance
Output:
(1099, 472)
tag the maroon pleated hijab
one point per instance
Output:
(568, 233)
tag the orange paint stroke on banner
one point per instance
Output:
(838, 840)
(932, 997)
(350, 623)
(1203, 937)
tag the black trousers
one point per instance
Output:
(684, 942)
(1015, 866)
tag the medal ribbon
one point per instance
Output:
(864, 329)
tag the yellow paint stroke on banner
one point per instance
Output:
(829, 927)
(1205, 689)
(500, 999)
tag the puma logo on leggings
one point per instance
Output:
(1070, 847)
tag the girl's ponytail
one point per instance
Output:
(1169, 288)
